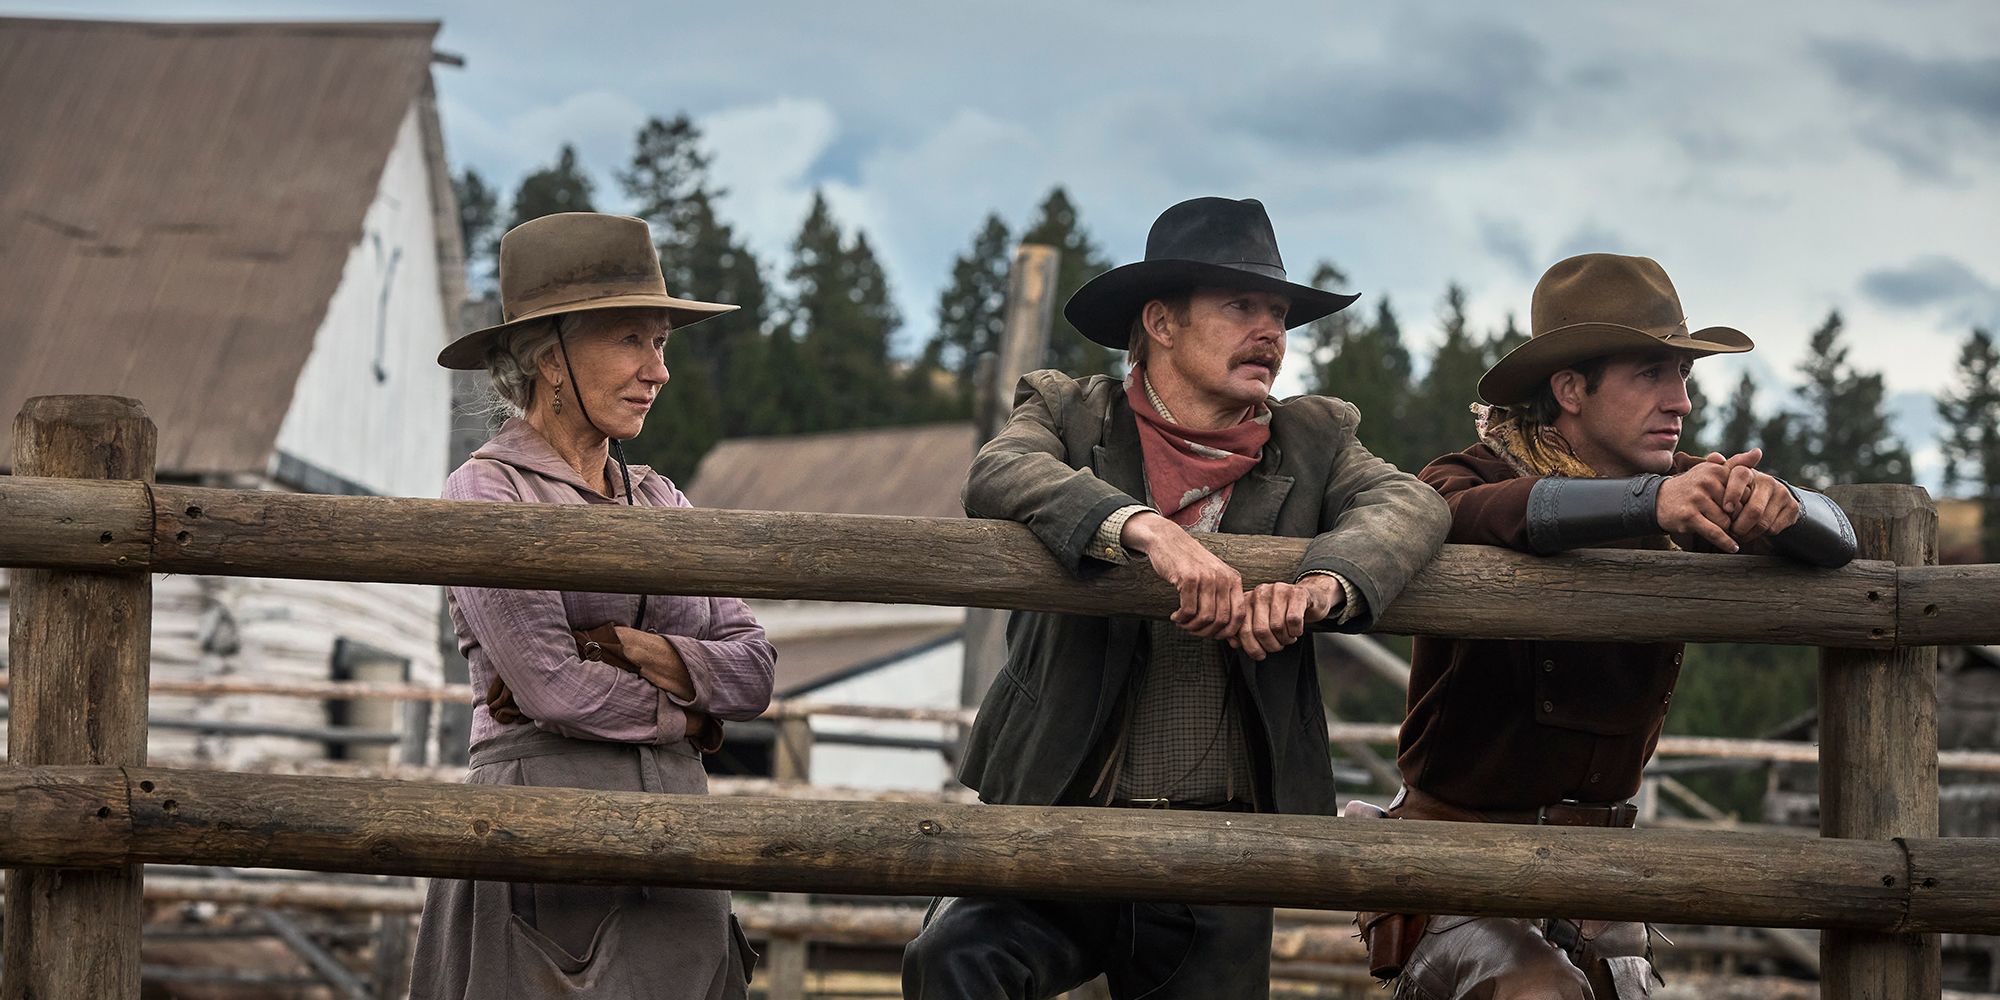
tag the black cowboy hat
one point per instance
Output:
(1205, 241)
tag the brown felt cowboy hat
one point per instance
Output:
(1204, 241)
(1597, 304)
(575, 262)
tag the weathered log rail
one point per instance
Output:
(78, 796)
(93, 817)
(1472, 591)
(1715, 747)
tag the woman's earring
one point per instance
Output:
(558, 399)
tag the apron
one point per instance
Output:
(546, 940)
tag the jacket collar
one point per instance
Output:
(1253, 504)
(520, 445)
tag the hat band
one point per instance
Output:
(604, 290)
(1256, 266)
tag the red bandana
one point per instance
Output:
(1190, 472)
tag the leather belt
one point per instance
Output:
(1566, 813)
(1416, 804)
(1233, 805)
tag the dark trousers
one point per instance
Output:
(1026, 949)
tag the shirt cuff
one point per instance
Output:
(1351, 604)
(1107, 546)
(672, 720)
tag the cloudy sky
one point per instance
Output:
(1779, 159)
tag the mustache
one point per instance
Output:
(1268, 355)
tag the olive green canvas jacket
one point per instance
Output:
(1068, 458)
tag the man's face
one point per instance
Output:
(1632, 423)
(1232, 345)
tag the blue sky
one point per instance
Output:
(1779, 159)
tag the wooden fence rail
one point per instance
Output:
(77, 795)
(1472, 591)
(99, 817)
(1716, 747)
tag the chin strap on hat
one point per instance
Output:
(617, 447)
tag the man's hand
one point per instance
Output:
(1691, 504)
(1212, 599)
(1276, 614)
(1759, 504)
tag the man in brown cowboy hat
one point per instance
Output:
(1220, 708)
(1577, 449)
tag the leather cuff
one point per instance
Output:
(1565, 513)
(1822, 535)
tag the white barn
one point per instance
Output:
(250, 228)
(908, 656)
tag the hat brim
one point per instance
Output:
(468, 353)
(1516, 377)
(1103, 308)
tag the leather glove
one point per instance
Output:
(602, 644)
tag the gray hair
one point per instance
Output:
(514, 359)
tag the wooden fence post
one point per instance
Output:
(80, 649)
(1024, 346)
(1878, 773)
(785, 954)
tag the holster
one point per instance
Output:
(1391, 938)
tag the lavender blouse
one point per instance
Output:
(523, 636)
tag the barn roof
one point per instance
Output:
(907, 471)
(179, 202)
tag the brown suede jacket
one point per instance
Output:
(1507, 725)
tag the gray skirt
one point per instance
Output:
(518, 939)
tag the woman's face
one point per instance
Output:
(617, 358)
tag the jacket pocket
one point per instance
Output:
(551, 953)
(1606, 689)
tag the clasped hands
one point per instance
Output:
(1726, 502)
(1214, 604)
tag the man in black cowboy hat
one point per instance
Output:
(1577, 449)
(1218, 708)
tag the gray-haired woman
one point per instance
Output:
(587, 690)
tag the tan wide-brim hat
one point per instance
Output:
(1593, 305)
(575, 262)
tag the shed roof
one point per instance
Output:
(179, 202)
(906, 471)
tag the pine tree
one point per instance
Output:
(1785, 436)
(1324, 337)
(1370, 367)
(1971, 441)
(667, 181)
(972, 310)
(1737, 432)
(1694, 426)
(1844, 428)
(1503, 341)
(845, 318)
(715, 365)
(1057, 226)
(478, 214)
(1439, 419)
(560, 188)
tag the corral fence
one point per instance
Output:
(84, 528)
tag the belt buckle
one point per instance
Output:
(1161, 803)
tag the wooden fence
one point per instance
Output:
(85, 527)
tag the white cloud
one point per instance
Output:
(762, 155)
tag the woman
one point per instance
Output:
(587, 690)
